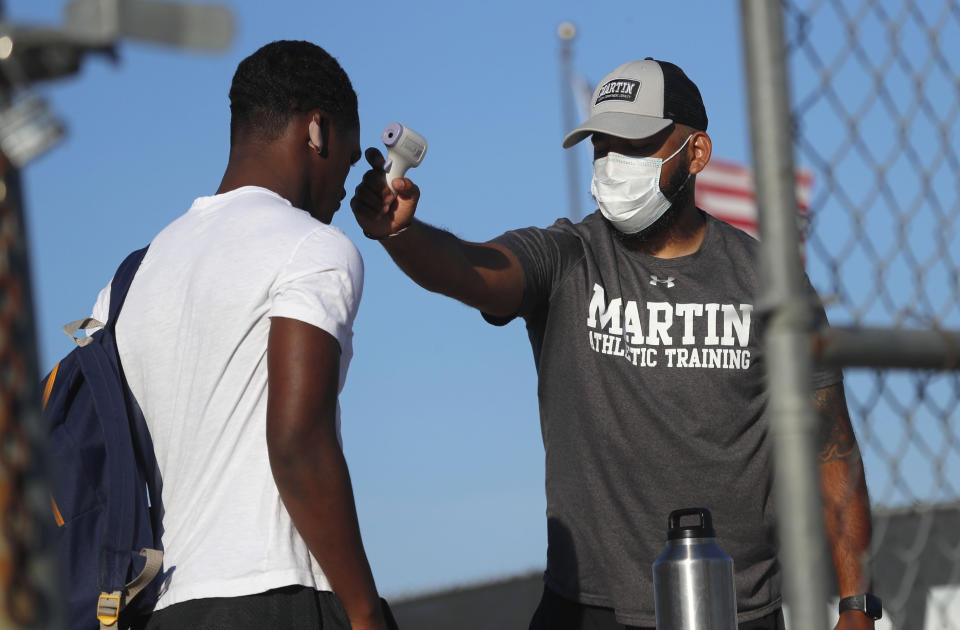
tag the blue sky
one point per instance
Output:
(440, 420)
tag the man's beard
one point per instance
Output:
(678, 192)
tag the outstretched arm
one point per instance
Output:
(846, 506)
(308, 464)
(486, 276)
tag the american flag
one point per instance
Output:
(725, 189)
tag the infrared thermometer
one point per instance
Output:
(405, 150)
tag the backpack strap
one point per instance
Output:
(121, 283)
(71, 328)
(152, 566)
(110, 604)
(119, 287)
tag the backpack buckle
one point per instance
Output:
(108, 608)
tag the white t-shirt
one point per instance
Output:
(193, 343)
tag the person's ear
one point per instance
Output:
(318, 132)
(701, 148)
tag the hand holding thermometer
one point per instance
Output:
(405, 150)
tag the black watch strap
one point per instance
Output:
(867, 603)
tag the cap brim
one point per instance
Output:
(619, 124)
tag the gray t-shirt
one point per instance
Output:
(652, 394)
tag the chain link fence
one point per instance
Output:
(875, 105)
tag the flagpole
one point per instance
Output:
(567, 32)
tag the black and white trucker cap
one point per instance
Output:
(639, 99)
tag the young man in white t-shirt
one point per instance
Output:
(235, 339)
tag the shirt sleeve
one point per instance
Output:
(321, 285)
(101, 308)
(544, 256)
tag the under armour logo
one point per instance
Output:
(668, 282)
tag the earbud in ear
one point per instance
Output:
(316, 138)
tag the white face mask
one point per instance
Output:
(627, 189)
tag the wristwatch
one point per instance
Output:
(867, 603)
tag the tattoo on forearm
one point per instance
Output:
(837, 441)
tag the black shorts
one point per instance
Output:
(287, 608)
(558, 613)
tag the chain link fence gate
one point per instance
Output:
(873, 111)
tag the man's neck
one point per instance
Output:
(682, 238)
(266, 169)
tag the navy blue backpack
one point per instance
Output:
(105, 485)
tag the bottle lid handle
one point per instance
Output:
(702, 529)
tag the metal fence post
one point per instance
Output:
(788, 318)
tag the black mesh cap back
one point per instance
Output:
(682, 102)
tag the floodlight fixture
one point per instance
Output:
(27, 129)
(197, 26)
(566, 31)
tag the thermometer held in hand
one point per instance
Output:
(405, 150)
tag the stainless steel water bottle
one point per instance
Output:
(693, 577)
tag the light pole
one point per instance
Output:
(567, 32)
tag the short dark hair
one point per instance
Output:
(284, 78)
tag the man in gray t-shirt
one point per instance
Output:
(649, 355)
(651, 390)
